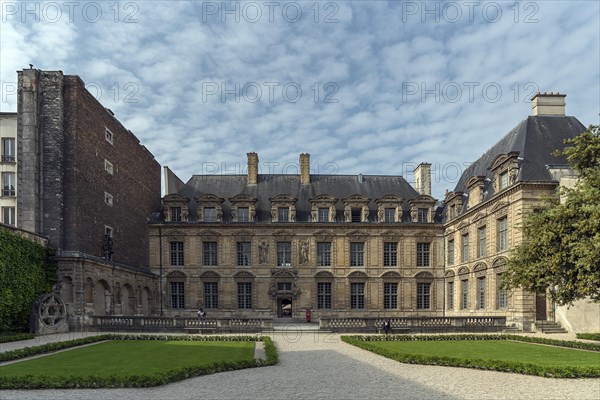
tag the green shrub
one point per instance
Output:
(14, 337)
(589, 336)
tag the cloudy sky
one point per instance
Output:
(370, 87)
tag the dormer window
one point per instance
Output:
(323, 214)
(503, 180)
(283, 214)
(506, 170)
(422, 215)
(283, 208)
(210, 214)
(243, 208)
(176, 214)
(243, 214)
(390, 215)
(356, 214)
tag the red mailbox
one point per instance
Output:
(308, 314)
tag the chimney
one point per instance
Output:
(252, 168)
(423, 178)
(304, 169)
(548, 104)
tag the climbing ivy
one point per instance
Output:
(26, 271)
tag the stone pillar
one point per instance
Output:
(304, 169)
(252, 168)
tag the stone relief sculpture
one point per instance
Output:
(380, 215)
(293, 214)
(185, 215)
(332, 214)
(252, 215)
(413, 215)
(263, 252)
(303, 252)
(200, 213)
(234, 214)
(365, 215)
(513, 175)
(347, 216)
(313, 215)
(273, 214)
(219, 214)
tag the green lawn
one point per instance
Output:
(132, 357)
(495, 350)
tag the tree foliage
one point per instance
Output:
(561, 251)
(25, 273)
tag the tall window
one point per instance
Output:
(502, 243)
(244, 294)
(243, 214)
(390, 254)
(177, 295)
(390, 295)
(464, 294)
(503, 178)
(450, 295)
(210, 214)
(323, 295)
(423, 296)
(175, 214)
(8, 150)
(108, 135)
(357, 296)
(356, 214)
(9, 216)
(8, 184)
(390, 215)
(450, 252)
(284, 254)
(357, 254)
(323, 214)
(481, 292)
(481, 242)
(465, 248)
(244, 254)
(211, 295)
(423, 254)
(501, 293)
(324, 254)
(176, 253)
(422, 214)
(108, 199)
(283, 214)
(209, 254)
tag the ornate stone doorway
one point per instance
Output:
(284, 307)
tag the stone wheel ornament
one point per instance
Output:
(52, 310)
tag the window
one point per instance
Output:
(8, 216)
(481, 292)
(501, 293)
(244, 254)
(323, 295)
(357, 254)
(177, 295)
(423, 254)
(211, 295)
(209, 254)
(8, 150)
(108, 231)
(390, 254)
(323, 214)
(422, 215)
(175, 214)
(389, 215)
(464, 294)
(108, 199)
(423, 296)
(450, 252)
(356, 214)
(502, 234)
(283, 214)
(284, 286)
(465, 248)
(357, 296)
(108, 135)
(108, 167)
(450, 295)
(243, 214)
(481, 242)
(503, 180)
(284, 254)
(390, 295)
(210, 214)
(8, 184)
(176, 253)
(244, 295)
(324, 254)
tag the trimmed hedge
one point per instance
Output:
(589, 336)
(365, 342)
(44, 382)
(15, 337)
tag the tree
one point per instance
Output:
(561, 250)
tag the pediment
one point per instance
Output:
(424, 275)
(501, 159)
(389, 198)
(327, 198)
(449, 274)
(463, 270)
(474, 181)
(323, 232)
(209, 232)
(462, 225)
(242, 232)
(356, 198)
(284, 274)
(209, 198)
(243, 275)
(355, 233)
(210, 275)
(175, 198)
(479, 215)
(480, 267)
(323, 275)
(283, 232)
(176, 275)
(499, 262)
(498, 206)
(422, 198)
(357, 275)
(243, 198)
(391, 275)
(283, 198)
(174, 232)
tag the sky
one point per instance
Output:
(371, 87)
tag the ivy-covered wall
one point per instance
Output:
(26, 271)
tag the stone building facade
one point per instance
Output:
(8, 168)
(484, 213)
(86, 183)
(274, 245)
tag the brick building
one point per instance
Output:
(86, 183)
(8, 168)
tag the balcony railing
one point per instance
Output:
(8, 158)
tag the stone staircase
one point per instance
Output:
(289, 325)
(549, 327)
(511, 330)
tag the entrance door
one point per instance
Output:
(284, 308)
(540, 307)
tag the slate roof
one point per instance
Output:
(268, 186)
(534, 138)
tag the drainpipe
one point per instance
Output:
(160, 267)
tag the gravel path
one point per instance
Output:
(321, 366)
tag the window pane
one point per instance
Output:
(8, 150)
(450, 295)
(390, 215)
(465, 248)
(210, 214)
(284, 254)
(357, 295)
(176, 214)
(324, 295)
(211, 295)
(244, 253)
(390, 295)
(243, 214)
(245, 295)
(176, 253)
(283, 214)
(450, 252)
(482, 242)
(357, 254)
(464, 302)
(423, 254)
(481, 293)
(502, 234)
(423, 293)
(390, 254)
(324, 254)
(8, 184)
(209, 253)
(422, 215)
(323, 214)
(177, 295)
(8, 216)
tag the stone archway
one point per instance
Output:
(127, 300)
(102, 298)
